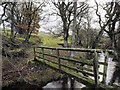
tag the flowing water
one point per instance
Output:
(59, 84)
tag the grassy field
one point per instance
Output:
(49, 40)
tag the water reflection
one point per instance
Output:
(64, 83)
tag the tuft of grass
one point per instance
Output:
(19, 38)
(18, 50)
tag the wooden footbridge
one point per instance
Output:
(81, 69)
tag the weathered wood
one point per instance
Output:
(86, 81)
(78, 70)
(82, 79)
(96, 71)
(34, 53)
(47, 60)
(51, 51)
(58, 60)
(78, 49)
(76, 60)
(42, 49)
(105, 67)
(67, 67)
(81, 60)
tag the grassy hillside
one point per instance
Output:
(51, 40)
(18, 57)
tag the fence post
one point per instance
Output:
(95, 67)
(105, 67)
(58, 60)
(51, 52)
(43, 54)
(34, 53)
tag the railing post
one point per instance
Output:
(105, 67)
(43, 54)
(58, 60)
(34, 53)
(95, 67)
(51, 52)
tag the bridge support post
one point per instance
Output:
(34, 53)
(43, 55)
(58, 60)
(96, 71)
(105, 67)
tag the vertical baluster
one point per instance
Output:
(51, 51)
(43, 54)
(105, 67)
(95, 67)
(58, 60)
(34, 53)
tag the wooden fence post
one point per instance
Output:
(43, 54)
(51, 52)
(105, 67)
(34, 53)
(58, 60)
(95, 67)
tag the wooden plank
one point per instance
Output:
(82, 79)
(34, 53)
(76, 60)
(42, 49)
(78, 49)
(105, 67)
(78, 67)
(96, 71)
(66, 66)
(78, 70)
(59, 63)
(86, 81)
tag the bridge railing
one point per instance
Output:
(86, 68)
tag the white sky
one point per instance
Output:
(54, 20)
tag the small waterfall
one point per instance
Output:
(101, 67)
(110, 68)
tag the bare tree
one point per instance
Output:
(65, 12)
(112, 17)
(8, 12)
(74, 33)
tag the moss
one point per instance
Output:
(16, 51)
(78, 77)
(20, 38)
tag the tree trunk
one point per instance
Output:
(119, 45)
(12, 21)
(65, 41)
(28, 30)
(65, 34)
(4, 27)
(74, 30)
(95, 43)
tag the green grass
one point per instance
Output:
(5, 29)
(46, 39)
(18, 50)
(49, 40)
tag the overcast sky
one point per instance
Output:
(52, 21)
